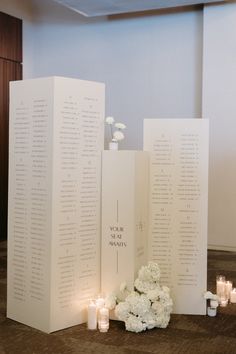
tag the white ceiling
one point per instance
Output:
(90, 8)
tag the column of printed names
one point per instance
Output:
(56, 138)
(178, 207)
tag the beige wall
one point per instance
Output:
(152, 67)
(219, 105)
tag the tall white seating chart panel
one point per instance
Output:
(124, 217)
(179, 207)
(56, 138)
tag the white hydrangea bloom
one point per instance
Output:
(154, 294)
(158, 309)
(168, 307)
(144, 286)
(122, 311)
(150, 273)
(164, 321)
(139, 304)
(149, 305)
(166, 289)
(150, 320)
(164, 297)
(110, 301)
(123, 286)
(134, 324)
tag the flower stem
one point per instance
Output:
(111, 131)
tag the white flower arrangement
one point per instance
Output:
(148, 306)
(209, 296)
(117, 134)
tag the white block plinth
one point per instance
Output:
(56, 138)
(124, 217)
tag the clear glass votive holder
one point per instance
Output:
(100, 301)
(220, 285)
(103, 319)
(221, 290)
(228, 288)
(211, 311)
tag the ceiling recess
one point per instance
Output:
(91, 8)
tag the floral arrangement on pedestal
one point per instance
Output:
(116, 134)
(148, 306)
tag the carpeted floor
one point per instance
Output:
(185, 334)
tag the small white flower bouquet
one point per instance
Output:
(148, 306)
(117, 134)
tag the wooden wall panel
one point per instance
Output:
(10, 37)
(10, 70)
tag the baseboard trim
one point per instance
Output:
(221, 248)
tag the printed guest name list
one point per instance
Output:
(56, 138)
(178, 207)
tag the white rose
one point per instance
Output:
(110, 120)
(209, 296)
(120, 126)
(118, 135)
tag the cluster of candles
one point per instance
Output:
(98, 315)
(225, 291)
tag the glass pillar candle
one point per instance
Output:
(220, 289)
(92, 315)
(233, 296)
(228, 288)
(103, 319)
(220, 285)
(100, 301)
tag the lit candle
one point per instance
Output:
(228, 288)
(233, 296)
(100, 302)
(92, 315)
(221, 290)
(103, 319)
(220, 285)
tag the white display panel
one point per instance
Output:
(124, 217)
(178, 207)
(56, 138)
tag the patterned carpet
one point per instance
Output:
(185, 334)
